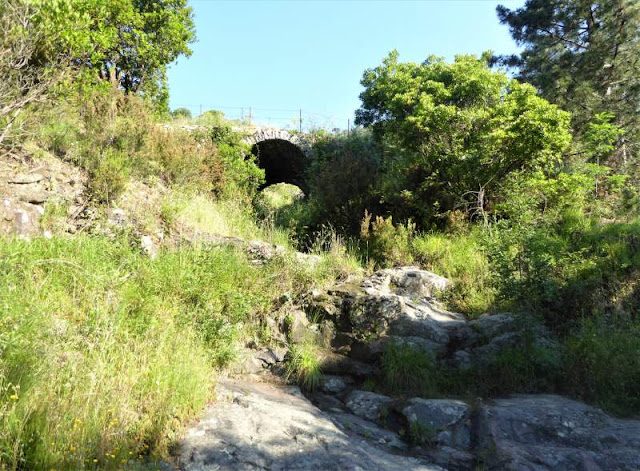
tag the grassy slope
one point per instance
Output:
(106, 353)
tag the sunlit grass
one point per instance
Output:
(106, 353)
(461, 258)
(303, 366)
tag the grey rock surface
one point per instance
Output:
(366, 404)
(398, 305)
(258, 426)
(332, 384)
(335, 364)
(25, 184)
(447, 419)
(548, 432)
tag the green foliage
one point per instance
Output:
(387, 244)
(422, 434)
(106, 353)
(407, 369)
(526, 368)
(582, 55)
(115, 137)
(109, 177)
(601, 136)
(25, 79)
(462, 258)
(281, 204)
(212, 118)
(341, 178)
(279, 196)
(127, 43)
(181, 113)
(603, 364)
(303, 366)
(567, 267)
(104, 382)
(454, 133)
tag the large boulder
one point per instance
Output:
(548, 432)
(446, 420)
(398, 306)
(394, 303)
(411, 282)
(367, 405)
(257, 426)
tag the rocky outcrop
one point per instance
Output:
(548, 432)
(26, 185)
(258, 251)
(345, 425)
(264, 426)
(258, 426)
(399, 305)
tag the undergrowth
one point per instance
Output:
(106, 353)
(303, 366)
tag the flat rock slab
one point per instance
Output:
(547, 432)
(260, 426)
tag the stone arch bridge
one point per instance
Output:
(283, 155)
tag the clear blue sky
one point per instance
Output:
(280, 56)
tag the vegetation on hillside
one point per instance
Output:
(526, 197)
(524, 194)
(583, 56)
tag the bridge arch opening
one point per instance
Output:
(282, 161)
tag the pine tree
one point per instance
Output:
(583, 55)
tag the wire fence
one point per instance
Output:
(294, 119)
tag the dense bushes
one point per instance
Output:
(474, 177)
(115, 136)
(454, 134)
(603, 364)
(572, 268)
(341, 179)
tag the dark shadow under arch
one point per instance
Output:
(282, 161)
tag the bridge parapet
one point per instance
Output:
(261, 134)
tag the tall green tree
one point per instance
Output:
(583, 55)
(128, 43)
(454, 133)
(26, 80)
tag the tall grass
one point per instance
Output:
(304, 367)
(407, 369)
(232, 218)
(462, 258)
(104, 354)
(602, 364)
(92, 383)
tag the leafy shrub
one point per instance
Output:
(116, 137)
(109, 177)
(385, 243)
(574, 266)
(181, 113)
(453, 133)
(603, 364)
(341, 178)
(59, 134)
(525, 368)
